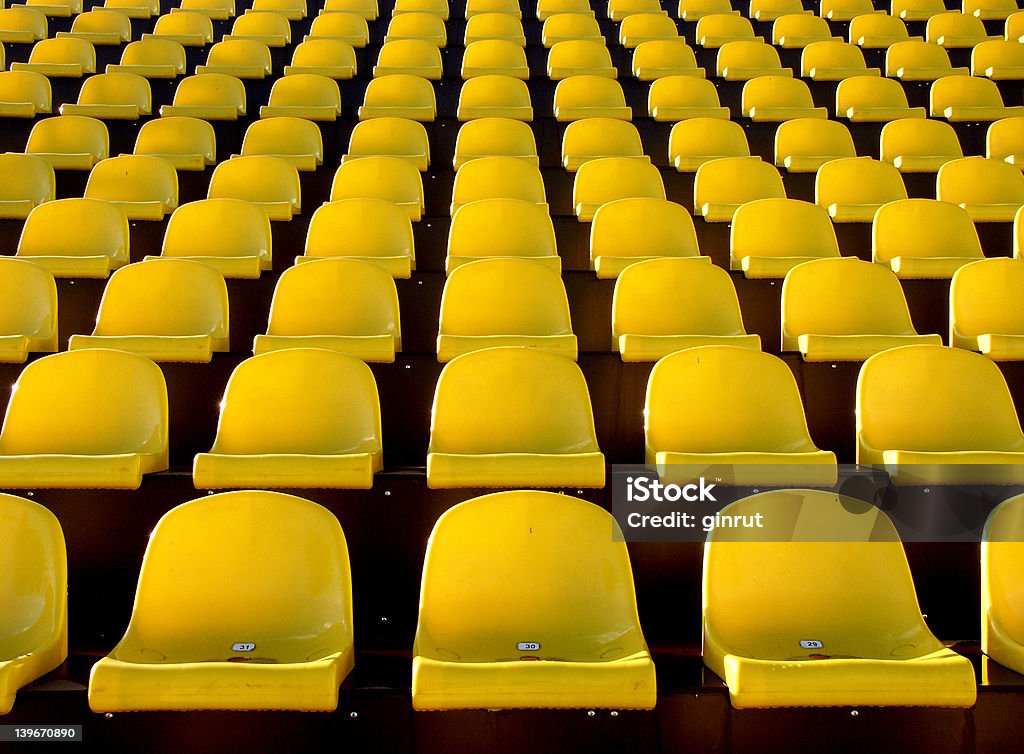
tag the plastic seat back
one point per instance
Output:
(24, 94)
(923, 228)
(218, 228)
(28, 310)
(147, 187)
(502, 228)
(69, 141)
(28, 182)
(913, 144)
(497, 178)
(269, 181)
(76, 228)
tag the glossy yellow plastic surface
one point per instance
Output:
(350, 28)
(760, 604)
(491, 228)
(846, 10)
(513, 417)
(270, 183)
(771, 236)
(589, 96)
(495, 57)
(211, 96)
(416, 57)
(101, 27)
(693, 142)
(620, 10)
(367, 230)
(437, 7)
(388, 178)
(919, 145)
(834, 60)
(646, 27)
(425, 26)
(917, 60)
(626, 231)
(924, 238)
(504, 302)
(798, 30)
(718, 29)
(34, 623)
(271, 29)
(658, 58)
(746, 59)
(665, 305)
(324, 56)
(24, 94)
(152, 58)
(548, 8)
(969, 98)
(984, 314)
(916, 10)
(304, 95)
(505, 26)
(343, 305)
(495, 137)
(187, 28)
(163, 309)
(270, 434)
(76, 238)
(845, 310)
(853, 189)
(220, 574)
(93, 418)
(498, 178)
(693, 10)
(871, 99)
(601, 181)
(679, 98)
(778, 98)
(1005, 141)
(495, 97)
(230, 235)
(476, 8)
(60, 58)
(146, 188)
(998, 59)
(593, 138)
(28, 182)
(69, 142)
(772, 10)
(721, 186)
(990, 9)
(57, 8)
(293, 10)
(242, 58)
(955, 30)
(1002, 614)
(220, 10)
(28, 310)
(391, 137)
(580, 57)
(936, 415)
(476, 612)
(566, 27)
(295, 140)
(803, 145)
(367, 9)
(186, 143)
(720, 410)
(22, 25)
(399, 95)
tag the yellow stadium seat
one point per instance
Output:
(695, 141)
(846, 10)
(664, 305)
(76, 238)
(604, 180)
(270, 183)
(270, 435)
(293, 10)
(936, 415)
(566, 27)
(498, 178)
(998, 60)
(995, 10)
(28, 182)
(646, 27)
(399, 96)
(718, 29)
(660, 58)
(134, 8)
(34, 633)
(776, 642)
(586, 645)
(630, 230)
(870, 99)
(60, 58)
(580, 57)
(337, 303)
(853, 189)
(271, 29)
(295, 140)
(500, 227)
(495, 137)
(594, 138)
(230, 235)
(304, 95)
(366, 9)
(778, 98)
(437, 7)
(254, 625)
(495, 57)
(955, 30)
(924, 238)
(186, 143)
(163, 309)
(919, 145)
(375, 231)
(877, 31)
(55, 8)
(512, 417)
(217, 10)
(1001, 553)
(746, 59)
(24, 94)
(476, 8)
(112, 96)
(146, 188)
(721, 186)
(548, 8)
(211, 96)
(85, 419)
(390, 137)
(415, 57)
(969, 98)
(983, 311)
(495, 97)
(915, 60)
(349, 28)
(426, 26)
(152, 58)
(771, 236)
(834, 60)
(504, 302)
(676, 98)
(990, 190)
(845, 310)
(389, 178)
(1014, 28)
(242, 58)
(100, 27)
(773, 10)
(578, 97)
(22, 25)
(694, 10)
(730, 412)
(28, 310)
(1005, 141)
(620, 10)
(189, 29)
(916, 10)
(798, 30)
(504, 26)
(803, 145)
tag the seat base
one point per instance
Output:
(610, 267)
(184, 348)
(634, 347)
(375, 348)
(813, 468)
(75, 267)
(452, 470)
(856, 347)
(247, 268)
(67, 471)
(284, 470)
(909, 467)
(450, 346)
(930, 267)
(398, 267)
